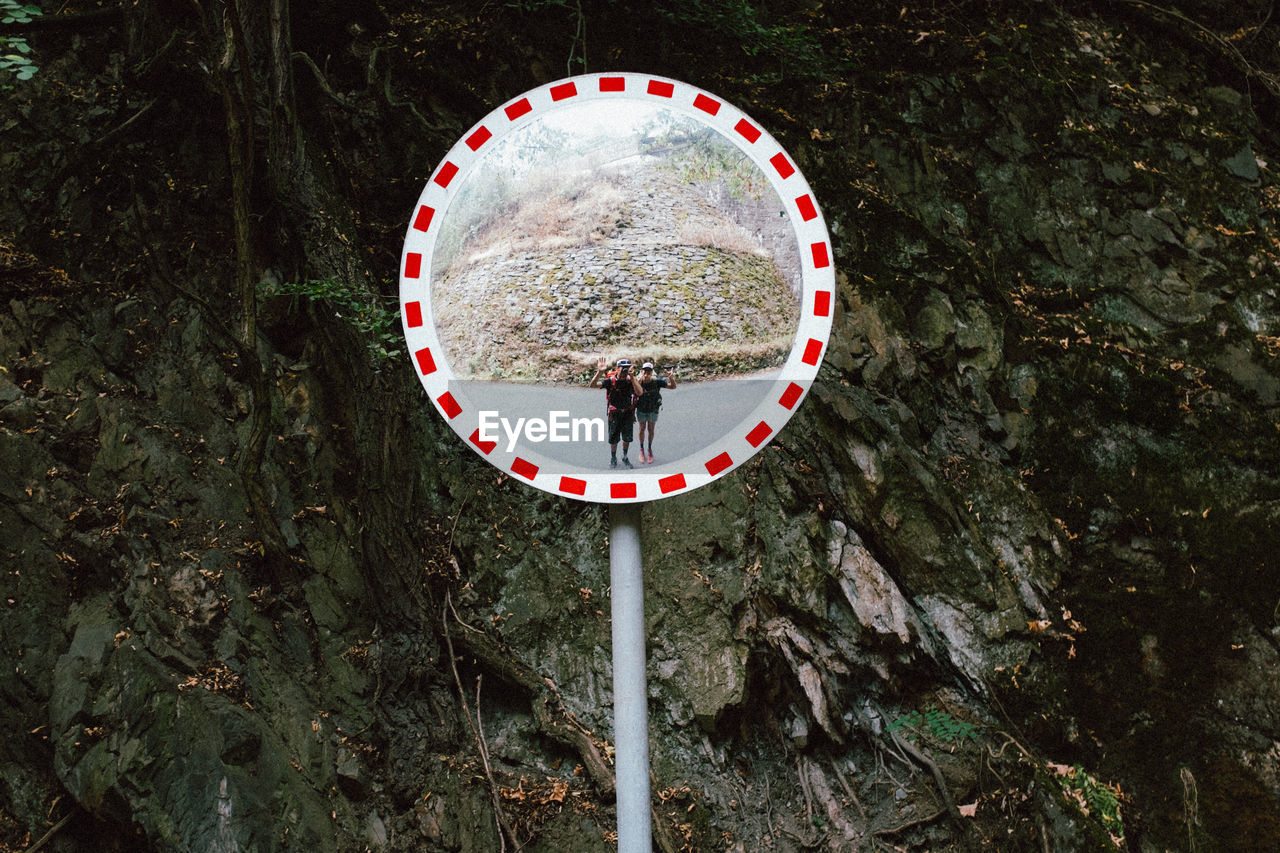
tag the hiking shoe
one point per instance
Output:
(627, 462)
(613, 463)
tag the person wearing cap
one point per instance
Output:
(620, 393)
(649, 392)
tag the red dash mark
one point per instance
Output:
(426, 363)
(524, 468)
(820, 257)
(422, 221)
(447, 171)
(822, 303)
(805, 204)
(622, 490)
(413, 314)
(480, 137)
(613, 84)
(789, 396)
(759, 434)
(573, 486)
(715, 466)
(518, 109)
(661, 88)
(779, 161)
(413, 265)
(812, 351)
(450, 405)
(671, 484)
(564, 90)
(707, 105)
(485, 446)
(747, 130)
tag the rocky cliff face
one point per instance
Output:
(1007, 579)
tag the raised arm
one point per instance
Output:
(671, 380)
(601, 365)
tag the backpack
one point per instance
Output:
(610, 399)
(654, 392)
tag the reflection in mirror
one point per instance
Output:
(618, 230)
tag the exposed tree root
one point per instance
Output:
(1233, 54)
(920, 821)
(505, 830)
(927, 762)
(554, 721)
(820, 788)
(44, 839)
(323, 83)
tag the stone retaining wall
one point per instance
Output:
(639, 290)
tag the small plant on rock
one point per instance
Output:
(15, 53)
(1096, 799)
(937, 724)
(368, 314)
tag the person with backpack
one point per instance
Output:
(649, 388)
(621, 391)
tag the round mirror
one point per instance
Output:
(616, 287)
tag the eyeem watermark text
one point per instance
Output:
(558, 426)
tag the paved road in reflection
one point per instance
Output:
(693, 418)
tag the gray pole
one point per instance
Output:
(630, 695)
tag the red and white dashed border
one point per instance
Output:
(742, 439)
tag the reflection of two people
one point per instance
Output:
(630, 398)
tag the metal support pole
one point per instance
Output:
(630, 695)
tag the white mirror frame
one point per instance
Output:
(743, 438)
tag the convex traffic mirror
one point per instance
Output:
(597, 225)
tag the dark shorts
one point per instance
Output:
(621, 428)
